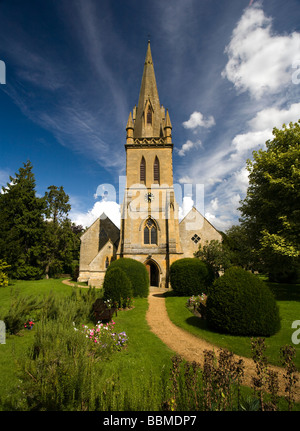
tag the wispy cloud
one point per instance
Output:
(188, 145)
(71, 105)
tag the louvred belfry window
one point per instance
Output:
(156, 170)
(149, 116)
(143, 171)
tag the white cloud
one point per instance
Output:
(274, 117)
(188, 146)
(259, 61)
(248, 141)
(221, 223)
(187, 205)
(197, 120)
(185, 180)
(110, 208)
(214, 204)
(261, 127)
(241, 179)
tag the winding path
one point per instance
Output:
(191, 347)
(188, 346)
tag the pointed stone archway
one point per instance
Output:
(153, 271)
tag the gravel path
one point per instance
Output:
(191, 347)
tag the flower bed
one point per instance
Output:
(29, 324)
(197, 304)
(104, 336)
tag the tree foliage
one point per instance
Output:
(36, 236)
(216, 254)
(22, 223)
(3, 273)
(271, 209)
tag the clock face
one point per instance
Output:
(149, 197)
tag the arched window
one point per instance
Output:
(106, 262)
(143, 171)
(149, 115)
(156, 170)
(150, 232)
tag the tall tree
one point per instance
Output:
(271, 209)
(239, 244)
(22, 223)
(54, 244)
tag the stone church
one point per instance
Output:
(150, 231)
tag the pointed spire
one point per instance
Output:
(168, 121)
(129, 130)
(168, 128)
(129, 122)
(148, 59)
(148, 125)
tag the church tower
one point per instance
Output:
(149, 216)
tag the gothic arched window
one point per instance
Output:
(156, 170)
(150, 232)
(143, 170)
(106, 262)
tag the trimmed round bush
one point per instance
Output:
(190, 276)
(239, 303)
(137, 274)
(117, 287)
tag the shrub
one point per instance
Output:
(190, 276)
(21, 309)
(137, 274)
(240, 303)
(117, 287)
(3, 274)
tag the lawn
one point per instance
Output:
(138, 368)
(136, 377)
(288, 299)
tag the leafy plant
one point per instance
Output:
(189, 276)
(3, 273)
(117, 287)
(239, 303)
(137, 274)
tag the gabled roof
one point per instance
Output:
(195, 209)
(103, 216)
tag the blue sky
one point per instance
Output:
(228, 71)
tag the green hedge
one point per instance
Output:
(240, 303)
(117, 287)
(190, 276)
(137, 274)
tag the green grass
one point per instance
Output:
(16, 345)
(140, 366)
(288, 299)
(138, 369)
(134, 376)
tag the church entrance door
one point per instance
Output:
(153, 272)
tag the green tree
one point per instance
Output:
(216, 254)
(271, 209)
(59, 238)
(22, 224)
(236, 239)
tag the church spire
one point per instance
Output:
(148, 122)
